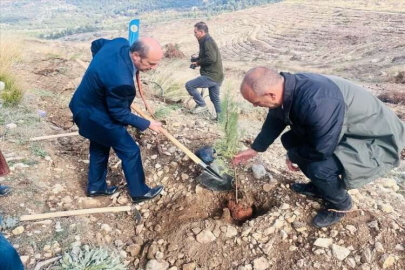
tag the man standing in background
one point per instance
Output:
(210, 63)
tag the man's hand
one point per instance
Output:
(291, 165)
(243, 156)
(155, 126)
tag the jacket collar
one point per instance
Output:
(125, 53)
(201, 41)
(288, 97)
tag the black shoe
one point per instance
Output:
(148, 196)
(4, 190)
(107, 192)
(306, 189)
(329, 215)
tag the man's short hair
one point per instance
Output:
(139, 47)
(259, 79)
(202, 26)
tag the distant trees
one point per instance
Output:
(70, 31)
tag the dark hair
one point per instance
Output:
(202, 26)
(139, 47)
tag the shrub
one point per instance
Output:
(87, 258)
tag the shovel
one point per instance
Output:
(210, 178)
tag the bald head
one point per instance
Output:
(260, 80)
(146, 53)
(146, 45)
(263, 87)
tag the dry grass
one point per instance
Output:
(10, 53)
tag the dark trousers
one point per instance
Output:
(213, 88)
(9, 259)
(103, 137)
(129, 153)
(324, 175)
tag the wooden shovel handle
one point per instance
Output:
(76, 212)
(172, 139)
(53, 136)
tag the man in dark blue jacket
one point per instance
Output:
(101, 108)
(341, 136)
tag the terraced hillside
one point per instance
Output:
(362, 40)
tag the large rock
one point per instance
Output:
(260, 264)
(85, 202)
(157, 265)
(258, 171)
(134, 249)
(387, 261)
(323, 242)
(189, 266)
(205, 237)
(231, 232)
(340, 252)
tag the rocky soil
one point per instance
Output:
(190, 227)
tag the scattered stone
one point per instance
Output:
(260, 264)
(299, 226)
(351, 262)
(400, 247)
(267, 187)
(374, 225)
(156, 265)
(134, 249)
(340, 252)
(231, 232)
(258, 171)
(184, 176)
(366, 256)
(351, 229)
(25, 259)
(386, 208)
(323, 242)
(278, 224)
(285, 206)
(206, 236)
(58, 227)
(159, 255)
(387, 261)
(11, 126)
(379, 247)
(2, 86)
(67, 200)
(390, 183)
(153, 249)
(19, 230)
(106, 228)
(172, 247)
(189, 266)
(85, 202)
(283, 235)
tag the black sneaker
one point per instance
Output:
(4, 190)
(329, 216)
(306, 189)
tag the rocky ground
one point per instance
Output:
(190, 227)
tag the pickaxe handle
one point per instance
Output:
(77, 212)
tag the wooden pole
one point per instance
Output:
(77, 212)
(53, 136)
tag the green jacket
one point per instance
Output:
(209, 59)
(371, 138)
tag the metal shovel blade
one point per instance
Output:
(213, 180)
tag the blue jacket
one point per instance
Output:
(107, 89)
